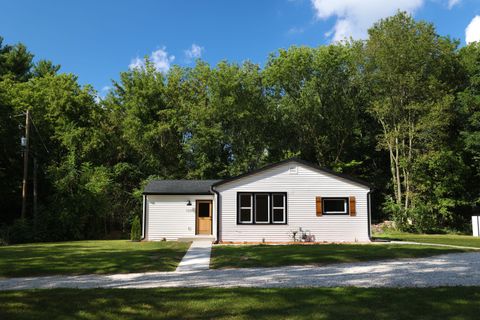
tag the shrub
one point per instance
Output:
(21, 231)
(136, 232)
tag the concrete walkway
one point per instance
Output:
(197, 257)
(460, 269)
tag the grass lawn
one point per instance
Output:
(243, 303)
(452, 239)
(81, 257)
(244, 256)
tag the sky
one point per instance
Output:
(97, 40)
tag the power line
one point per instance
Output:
(38, 132)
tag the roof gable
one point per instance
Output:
(299, 161)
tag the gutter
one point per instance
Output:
(218, 212)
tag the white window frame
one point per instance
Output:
(268, 209)
(345, 206)
(284, 197)
(244, 208)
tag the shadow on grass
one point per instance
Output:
(100, 257)
(273, 256)
(241, 303)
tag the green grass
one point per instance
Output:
(245, 256)
(82, 257)
(451, 239)
(243, 303)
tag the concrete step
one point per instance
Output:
(197, 238)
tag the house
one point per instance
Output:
(266, 205)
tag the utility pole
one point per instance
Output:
(25, 164)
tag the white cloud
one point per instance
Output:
(472, 32)
(354, 17)
(160, 59)
(453, 3)
(136, 63)
(295, 30)
(194, 52)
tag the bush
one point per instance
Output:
(21, 231)
(136, 233)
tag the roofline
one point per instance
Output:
(301, 161)
(179, 193)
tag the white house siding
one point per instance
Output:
(168, 216)
(302, 188)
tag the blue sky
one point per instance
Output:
(98, 39)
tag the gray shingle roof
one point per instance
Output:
(179, 187)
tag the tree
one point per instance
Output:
(15, 61)
(136, 233)
(146, 121)
(224, 119)
(468, 122)
(407, 66)
(317, 97)
(15, 64)
(73, 183)
(45, 67)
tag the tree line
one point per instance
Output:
(400, 110)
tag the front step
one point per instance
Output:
(197, 238)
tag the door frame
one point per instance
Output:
(196, 214)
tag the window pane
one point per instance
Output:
(245, 200)
(204, 210)
(278, 200)
(245, 215)
(261, 208)
(278, 215)
(334, 205)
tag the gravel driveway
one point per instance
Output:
(460, 269)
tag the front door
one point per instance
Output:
(204, 216)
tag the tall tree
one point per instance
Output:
(15, 64)
(469, 117)
(318, 98)
(408, 66)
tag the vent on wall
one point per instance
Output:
(293, 170)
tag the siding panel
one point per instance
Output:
(302, 186)
(169, 217)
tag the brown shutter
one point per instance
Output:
(318, 202)
(353, 210)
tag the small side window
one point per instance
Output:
(335, 206)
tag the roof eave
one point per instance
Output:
(301, 161)
(178, 193)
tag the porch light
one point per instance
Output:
(189, 203)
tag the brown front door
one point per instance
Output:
(204, 216)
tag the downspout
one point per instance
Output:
(144, 215)
(369, 211)
(218, 213)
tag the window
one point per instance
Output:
(245, 212)
(279, 207)
(335, 206)
(203, 210)
(262, 208)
